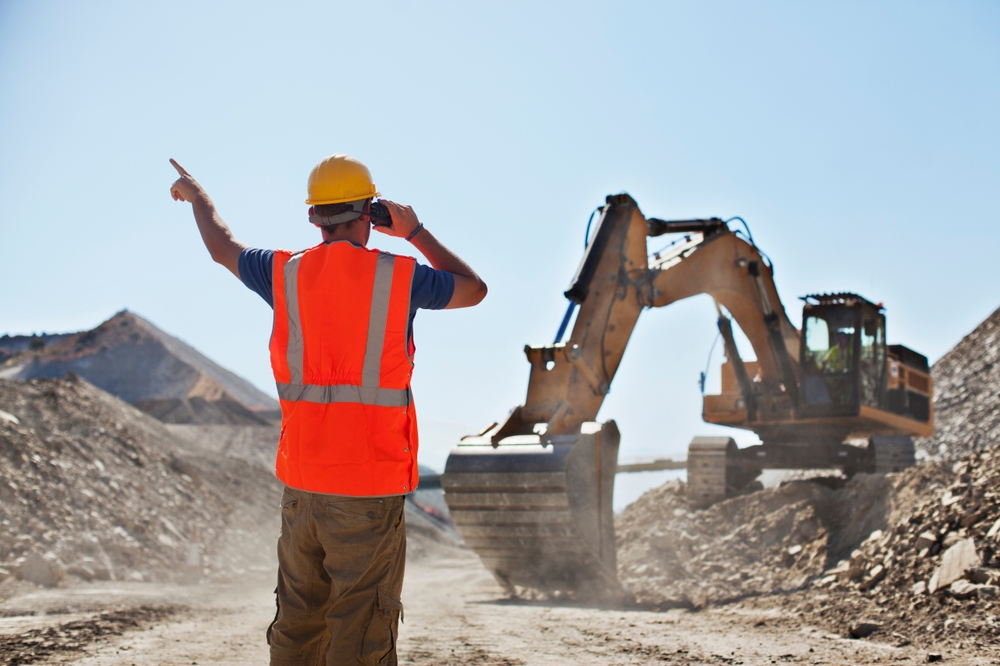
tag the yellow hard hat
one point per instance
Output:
(340, 178)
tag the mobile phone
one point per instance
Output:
(379, 214)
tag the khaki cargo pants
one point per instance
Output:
(340, 574)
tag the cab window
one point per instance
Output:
(872, 364)
(829, 355)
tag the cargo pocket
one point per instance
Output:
(379, 645)
(288, 500)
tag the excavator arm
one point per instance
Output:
(568, 381)
(616, 280)
(734, 272)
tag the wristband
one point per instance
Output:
(415, 232)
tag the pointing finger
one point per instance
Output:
(179, 168)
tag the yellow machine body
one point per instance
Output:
(533, 495)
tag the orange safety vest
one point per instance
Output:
(342, 362)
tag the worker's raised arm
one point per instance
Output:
(218, 239)
(469, 288)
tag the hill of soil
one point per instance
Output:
(430, 532)
(11, 345)
(136, 361)
(967, 395)
(93, 487)
(912, 553)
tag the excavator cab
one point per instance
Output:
(843, 355)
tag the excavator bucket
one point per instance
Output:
(539, 515)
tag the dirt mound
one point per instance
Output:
(759, 543)
(255, 444)
(11, 345)
(198, 411)
(912, 553)
(932, 573)
(131, 358)
(967, 395)
(92, 487)
(430, 531)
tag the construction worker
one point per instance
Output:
(838, 358)
(342, 355)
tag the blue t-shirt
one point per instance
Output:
(431, 289)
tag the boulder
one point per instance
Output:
(40, 570)
(963, 589)
(988, 591)
(954, 562)
(977, 575)
(925, 540)
(875, 576)
(863, 629)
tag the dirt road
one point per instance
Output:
(455, 614)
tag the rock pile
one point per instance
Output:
(131, 358)
(950, 535)
(939, 555)
(967, 395)
(912, 557)
(91, 487)
(764, 542)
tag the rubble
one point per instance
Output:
(92, 488)
(967, 395)
(914, 552)
(764, 542)
(58, 644)
(954, 562)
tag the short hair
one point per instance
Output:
(328, 215)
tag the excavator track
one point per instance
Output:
(717, 469)
(539, 515)
(706, 470)
(892, 453)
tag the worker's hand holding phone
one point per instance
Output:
(402, 220)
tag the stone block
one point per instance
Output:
(988, 591)
(963, 589)
(954, 562)
(925, 540)
(863, 629)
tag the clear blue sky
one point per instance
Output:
(860, 140)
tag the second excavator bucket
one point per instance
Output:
(539, 514)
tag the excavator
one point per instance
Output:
(533, 496)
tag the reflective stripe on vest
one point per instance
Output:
(368, 393)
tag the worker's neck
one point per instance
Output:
(341, 232)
